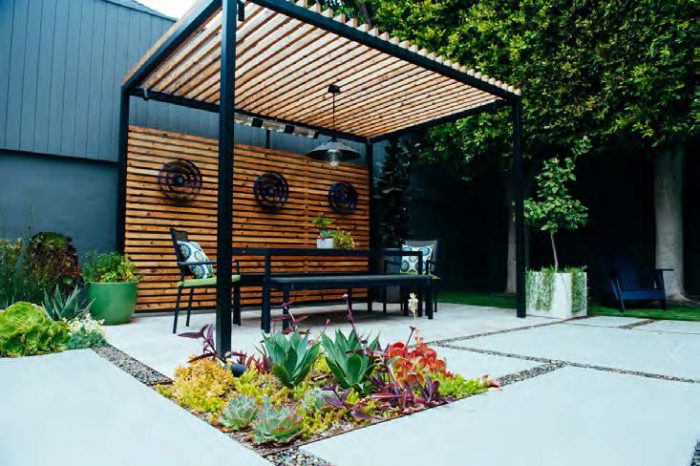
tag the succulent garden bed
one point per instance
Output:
(301, 387)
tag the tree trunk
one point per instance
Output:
(554, 252)
(668, 209)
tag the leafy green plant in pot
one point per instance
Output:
(553, 292)
(325, 234)
(111, 286)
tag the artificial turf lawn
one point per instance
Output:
(505, 301)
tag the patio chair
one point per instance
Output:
(629, 286)
(430, 267)
(188, 281)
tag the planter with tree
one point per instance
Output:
(111, 287)
(552, 292)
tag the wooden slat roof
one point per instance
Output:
(285, 64)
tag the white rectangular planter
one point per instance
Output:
(326, 243)
(560, 305)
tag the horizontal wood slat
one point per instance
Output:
(149, 214)
(284, 67)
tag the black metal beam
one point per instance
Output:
(197, 17)
(441, 120)
(121, 177)
(310, 17)
(224, 210)
(209, 107)
(519, 199)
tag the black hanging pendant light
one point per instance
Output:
(333, 151)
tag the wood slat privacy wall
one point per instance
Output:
(149, 214)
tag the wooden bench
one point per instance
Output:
(422, 283)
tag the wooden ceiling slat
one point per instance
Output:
(392, 124)
(285, 65)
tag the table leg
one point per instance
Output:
(369, 299)
(265, 317)
(237, 305)
(285, 308)
(349, 293)
(429, 301)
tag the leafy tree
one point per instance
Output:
(554, 208)
(607, 70)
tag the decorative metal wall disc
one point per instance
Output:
(180, 180)
(271, 191)
(342, 197)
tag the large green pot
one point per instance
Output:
(112, 302)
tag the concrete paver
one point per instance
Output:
(77, 409)
(572, 417)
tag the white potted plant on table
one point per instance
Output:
(552, 292)
(325, 234)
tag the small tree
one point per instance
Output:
(554, 208)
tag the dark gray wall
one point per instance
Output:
(70, 196)
(62, 63)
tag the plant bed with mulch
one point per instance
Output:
(300, 388)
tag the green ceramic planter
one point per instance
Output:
(112, 302)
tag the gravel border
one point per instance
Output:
(295, 457)
(638, 324)
(131, 366)
(536, 371)
(649, 375)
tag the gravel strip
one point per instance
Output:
(696, 457)
(638, 324)
(529, 373)
(294, 457)
(497, 332)
(575, 364)
(131, 366)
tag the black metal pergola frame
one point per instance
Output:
(232, 12)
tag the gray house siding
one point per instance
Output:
(61, 64)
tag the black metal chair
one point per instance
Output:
(430, 267)
(629, 287)
(200, 283)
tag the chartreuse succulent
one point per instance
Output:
(239, 412)
(456, 386)
(290, 357)
(276, 424)
(25, 329)
(347, 362)
(201, 386)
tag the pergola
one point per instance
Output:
(274, 60)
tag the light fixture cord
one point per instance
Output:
(333, 112)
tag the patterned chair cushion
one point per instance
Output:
(409, 264)
(192, 252)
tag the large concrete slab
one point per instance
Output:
(672, 354)
(470, 364)
(572, 417)
(605, 321)
(77, 409)
(150, 340)
(677, 326)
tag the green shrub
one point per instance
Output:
(108, 267)
(239, 412)
(276, 424)
(290, 357)
(64, 306)
(456, 386)
(26, 330)
(85, 332)
(349, 367)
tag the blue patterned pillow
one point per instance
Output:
(409, 264)
(192, 252)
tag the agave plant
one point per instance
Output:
(289, 357)
(348, 359)
(276, 424)
(239, 412)
(64, 307)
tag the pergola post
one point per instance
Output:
(519, 197)
(121, 179)
(369, 161)
(224, 214)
